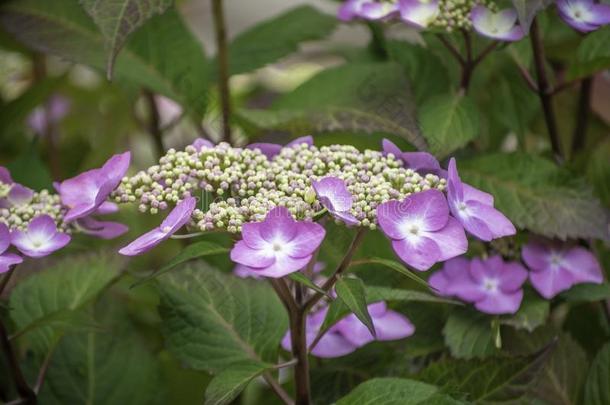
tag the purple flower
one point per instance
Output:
(556, 267)
(422, 162)
(421, 230)
(40, 239)
(6, 259)
(54, 110)
(279, 245)
(419, 13)
(169, 110)
(494, 286)
(17, 196)
(336, 198)
(175, 220)
(474, 209)
(201, 143)
(102, 229)
(272, 149)
(242, 271)
(500, 26)
(366, 9)
(584, 15)
(5, 176)
(389, 325)
(85, 193)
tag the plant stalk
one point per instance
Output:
(154, 123)
(223, 68)
(299, 351)
(582, 118)
(21, 385)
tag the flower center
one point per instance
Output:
(556, 260)
(462, 206)
(490, 284)
(166, 229)
(414, 230)
(277, 247)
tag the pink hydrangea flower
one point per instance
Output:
(556, 267)
(419, 13)
(279, 245)
(272, 149)
(584, 15)
(494, 286)
(474, 209)
(367, 9)
(176, 219)
(85, 193)
(422, 162)
(102, 229)
(7, 259)
(421, 230)
(501, 26)
(201, 143)
(40, 239)
(336, 198)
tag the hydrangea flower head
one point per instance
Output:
(419, 13)
(272, 149)
(556, 267)
(41, 237)
(474, 209)
(336, 198)
(7, 259)
(176, 219)
(584, 15)
(279, 245)
(421, 230)
(85, 193)
(367, 9)
(500, 26)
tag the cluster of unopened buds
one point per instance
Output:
(484, 16)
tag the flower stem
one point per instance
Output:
(223, 68)
(582, 117)
(154, 123)
(21, 385)
(545, 91)
(299, 351)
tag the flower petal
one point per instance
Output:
(282, 266)
(255, 258)
(583, 265)
(500, 303)
(421, 255)
(7, 260)
(279, 226)
(551, 282)
(102, 229)
(309, 236)
(451, 240)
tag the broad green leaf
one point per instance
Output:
(278, 37)
(597, 387)
(448, 122)
(150, 58)
(533, 312)
(117, 19)
(468, 334)
(374, 294)
(353, 294)
(587, 293)
(28, 169)
(493, 380)
(194, 251)
(66, 287)
(537, 195)
(593, 54)
(212, 320)
(64, 320)
(365, 98)
(228, 384)
(302, 279)
(391, 391)
(394, 266)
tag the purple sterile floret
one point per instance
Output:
(201, 143)
(422, 162)
(6, 259)
(336, 198)
(102, 229)
(52, 112)
(421, 230)
(389, 325)
(278, 245)
(366, 9)
(40, 239)
(556, 267)
(500, 26)
(584, 15)
(85, 193)
(5, 176)
(272, 149)
(474, 209)
(419, 13)
(18, 195)
(176, 219)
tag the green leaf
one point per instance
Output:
(302, 279)
(150, 58)
(598, 170)
(493, 380)
(593, 54)
(28, 169)
(448, 122)
(597, 387)
(365, 98)
(468, 334)
(228, 384)
(394, 266)
(46, 297)
(351, 291)
(375, 294)
(537, 195)
(391, 391)
(533, 313)
(194, 251)
(273, 39)
(211, 320)
(587, 293)
(118, 19)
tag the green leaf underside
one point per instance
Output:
(468, 334)
(394, 266)
(537, 195)
(394, 391)
(229, 383)
(302, 279)
(593, 54)
(353, 294)
(597, 387)
(587, 293)
(533, 312)
(211, 320)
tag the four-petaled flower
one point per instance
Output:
(272, 149)
(474, 209)
(421, 230)
(176, 219)
(336, 198)
(556, 267)
(7, 259)
(279, 245)
(367, 9)
(500, 26)
(584, 15)
(40, 239)
(419, 13)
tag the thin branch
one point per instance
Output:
(529, 80)
(484, 53)
(582, 117)
(456, 54)
(6, 279)
(21, 385)
(277, 388)
(563, 86)
(223, 68)
(42, 374)
(154, 123)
